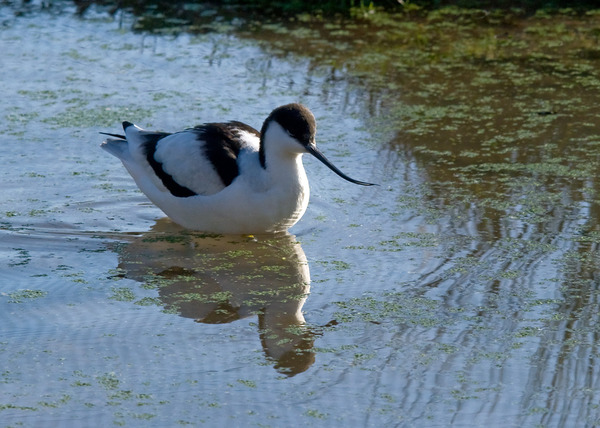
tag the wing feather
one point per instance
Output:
(202, 160)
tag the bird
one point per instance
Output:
(226, 178)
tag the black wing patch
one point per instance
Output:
(222, 146)
(151, 140)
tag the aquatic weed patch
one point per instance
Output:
(106, 116)
(395, 308)
(21, 296)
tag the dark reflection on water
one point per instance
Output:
(221, 279)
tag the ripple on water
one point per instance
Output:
(462, 290)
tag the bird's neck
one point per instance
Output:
(285, 170)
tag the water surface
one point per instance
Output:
(463, 291)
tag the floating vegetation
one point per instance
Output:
(397, 308)
(475, 261)
(22, 295)
(98, 116)
(123, 294)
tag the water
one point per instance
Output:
(452, 294)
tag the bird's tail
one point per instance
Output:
(116, 147)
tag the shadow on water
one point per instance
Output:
(221, 279)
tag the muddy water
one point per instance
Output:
(462, 291)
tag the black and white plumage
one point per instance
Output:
(226, 177)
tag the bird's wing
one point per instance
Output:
(197, 161)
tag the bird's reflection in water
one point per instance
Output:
(220, 279)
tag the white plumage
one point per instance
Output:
(226, 177)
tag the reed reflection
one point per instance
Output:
(220, 279)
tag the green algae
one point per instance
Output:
(21, 296)
(123, 294)
(105, 116)
(394, 308)
(493, 127)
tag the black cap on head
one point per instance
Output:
(300, 123)
(296, 119)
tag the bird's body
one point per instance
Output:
(225, 177)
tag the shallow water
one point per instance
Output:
(463, 291)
